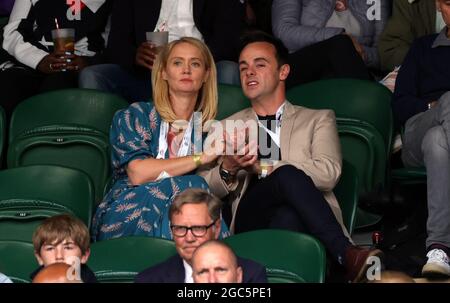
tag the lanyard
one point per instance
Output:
(274, 135)
(185, 144)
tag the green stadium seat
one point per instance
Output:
(365, 126)
(30, 194)
(17, 260)
(346, 192)
(2, 133)
(121, 259)
(288, 256)
(68, 128)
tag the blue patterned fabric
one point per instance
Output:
(142, 210)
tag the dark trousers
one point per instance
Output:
(333, 58)
(288, 199)
(17, 84)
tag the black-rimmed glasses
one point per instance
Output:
(196, 230)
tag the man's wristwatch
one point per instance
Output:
(226, 175)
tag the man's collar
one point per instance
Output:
(441, 39)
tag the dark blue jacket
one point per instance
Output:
(423, 77)
(172, 271)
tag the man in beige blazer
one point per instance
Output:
(288, 182)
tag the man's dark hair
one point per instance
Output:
(260, 36)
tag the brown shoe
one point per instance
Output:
(356, 262)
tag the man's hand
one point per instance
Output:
(246, 159)
(145, 55)
(359, 48)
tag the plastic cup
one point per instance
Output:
(64, 39)
(158, 39)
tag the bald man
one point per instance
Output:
(57, 273)
(215, 262)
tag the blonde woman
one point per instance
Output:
(154, 155)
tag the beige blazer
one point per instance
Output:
(309, 141)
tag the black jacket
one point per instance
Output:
(172, 271)
(219, 21)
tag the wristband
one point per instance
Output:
(197, 159)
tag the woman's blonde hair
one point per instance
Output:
(207, 97)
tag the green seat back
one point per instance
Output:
(121, 259)
(346, 192)
(288, 256)
(231, 101)
(363, 109)
(358, 100)
(68, 128)
(30, 194)
(17, 260)
(363, 147)
(2, 133)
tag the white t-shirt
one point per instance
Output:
(176, 17)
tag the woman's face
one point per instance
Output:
(186, 69)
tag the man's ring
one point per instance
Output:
(50, 66)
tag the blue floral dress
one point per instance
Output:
(142, 210)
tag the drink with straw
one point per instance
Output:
(63, 40)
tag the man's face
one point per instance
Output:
(214, 264)
(193, 215)
(444, 7)
(63, 252)
(259, 71)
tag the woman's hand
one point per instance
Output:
(60, 61)
(76, 63)
(52, 63)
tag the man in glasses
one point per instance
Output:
(195, 219)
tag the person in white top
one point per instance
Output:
(130, 57)
(35, 65)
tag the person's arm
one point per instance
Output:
(325, 164)
(406, 101)
(371, 51)
(29, 53)
(146, 170)
(287, 26)
(397, 36)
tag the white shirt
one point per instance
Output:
(176, 17)
(188, 273)
(440, 23)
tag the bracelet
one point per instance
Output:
(264, 170)
(197, 159)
